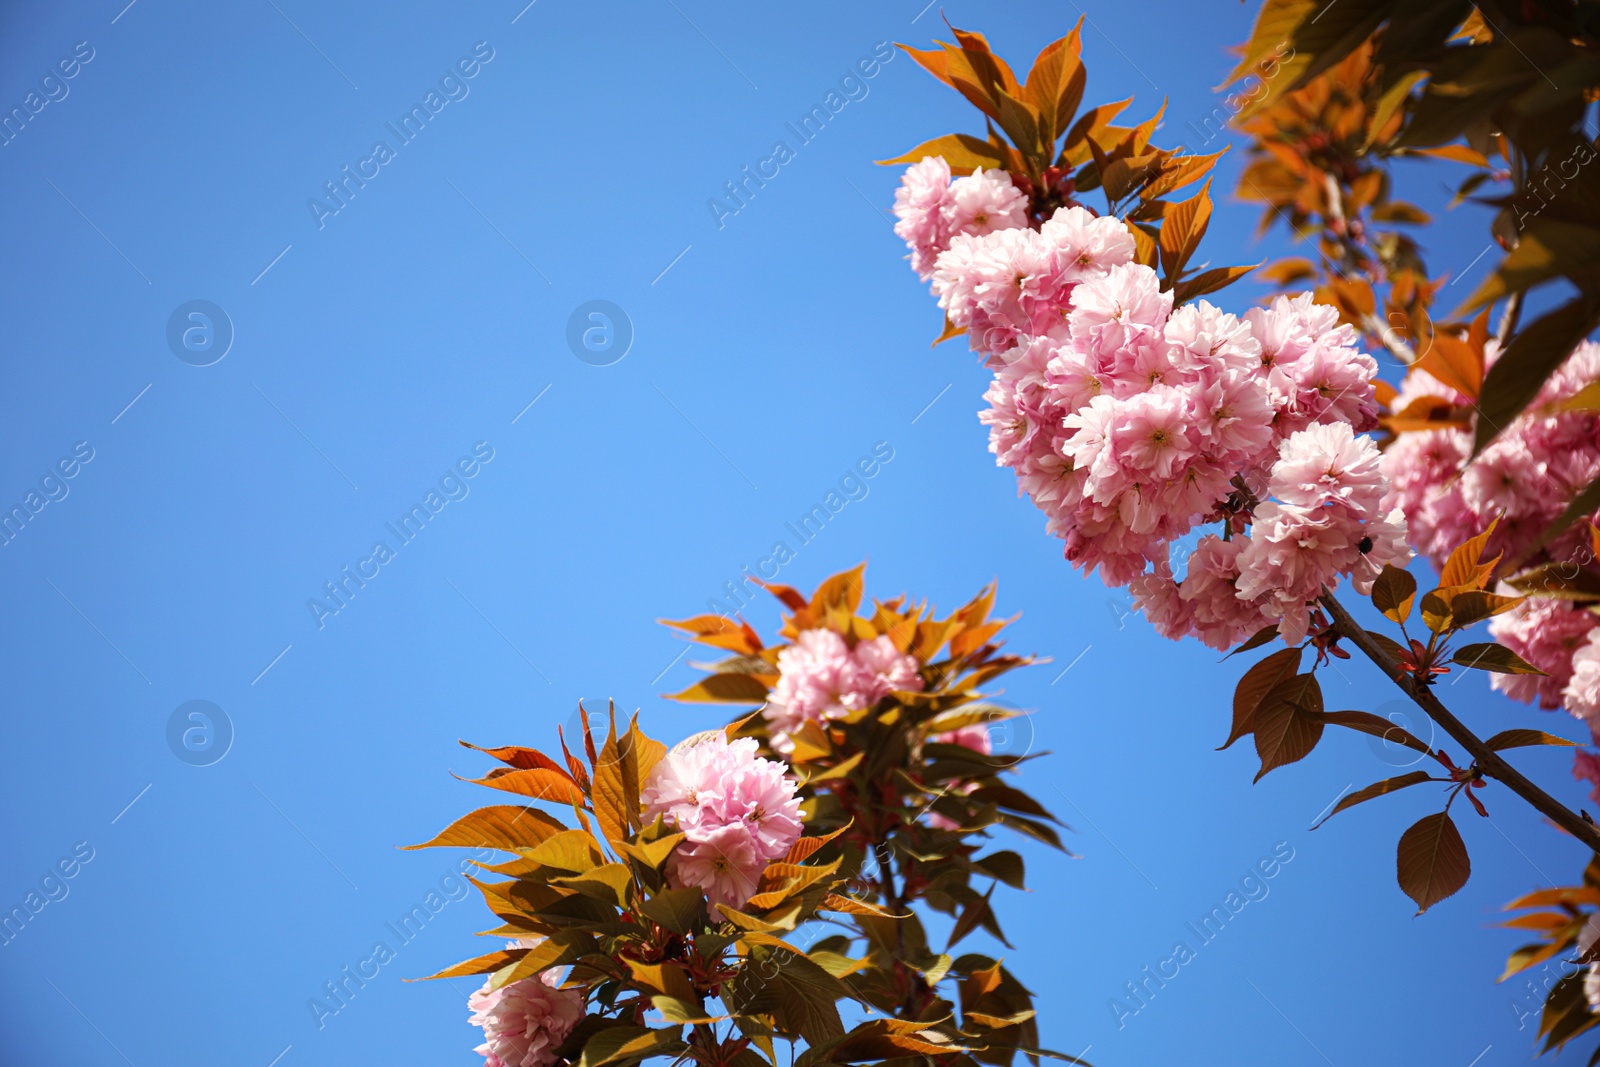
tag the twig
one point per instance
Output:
(1488, 761)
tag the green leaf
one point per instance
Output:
(1257, 639)
(621, 1045)
(1003, 866)
(1289, 722)
(1394, 592)
(1492, 657)
(680, 910)
(1522, 738)
(1257, 682)
(1431, 862)
(1376, 789)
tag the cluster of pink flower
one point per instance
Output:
(738, 813)
(1130, 423)
(526, 1021)
(1525, 478)
(821, 678)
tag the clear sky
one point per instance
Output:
(375, 348)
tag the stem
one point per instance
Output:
(1487, 760)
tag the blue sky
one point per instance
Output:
(380, 351)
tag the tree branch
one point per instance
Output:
(1490, 762)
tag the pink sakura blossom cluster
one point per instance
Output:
(1131, 423)
(1525, 478)
(821, 678)
(737, 811)
(932, 209)
(526, 1021)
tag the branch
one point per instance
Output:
(1489, 761)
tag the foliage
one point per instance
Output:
(912, 806)
(895, 814)
(1282, 707)
(1053, 153)
(1503, 87)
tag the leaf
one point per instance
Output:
(1492, 657)
(718, 631)
(608, 883)
(799, 995)
(1182, 228)
(1257, 682)
(1209, 282)
(1535, 352)
(681, 911)
(487, 964)
(1431, 862)
(506, 827)
(1464, 565)
(1475, 606)
(519, 757)
(963, 152)
(619, 1045)
(1055, 84)
(1368, 723)
(570, 850)
(1393, 593)
(666, 977)
(1376, 789)
(842, 590)
(1257, 639)
(539, 783)
(621, 771)
(1560, 581)
(1288, 722)
(725, 688)
(1522, 738)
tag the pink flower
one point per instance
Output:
(1582, 694)
(1111, 310)
(723, 861)
(737, 810)
(1087, 245)
(1586, 768)
(1547, 633)
(821, 678)
(1327, 464)
(525, 1022)
(919, 205)
(982, 202)
(1153, 434)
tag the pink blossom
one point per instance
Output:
(982, 202)
(1328, 464)
(1582, 694)
(918, 204)
(737, 810)
(526, 1021)
(821, 678)
(1547, 633)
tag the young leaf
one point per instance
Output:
(1522, 738)
(1257, 682)
(506, 827)
(1394, 592)
(1464, 565)
(1431, 862)
(1376, 789)
(1288, 722)
(1492, 657)
(1377, 726)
